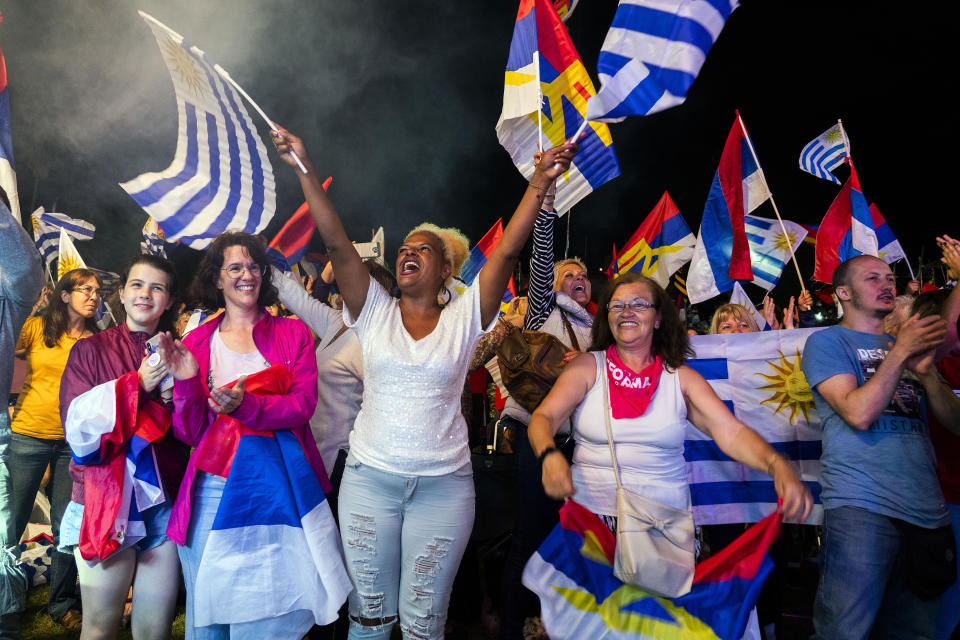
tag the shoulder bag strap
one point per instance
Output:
(573, 336)
(606, 419)
(343, 330)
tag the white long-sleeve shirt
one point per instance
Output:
(339, 369)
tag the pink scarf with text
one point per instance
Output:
(630, 392)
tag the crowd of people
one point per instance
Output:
(309, 471)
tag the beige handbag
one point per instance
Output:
(655, 542)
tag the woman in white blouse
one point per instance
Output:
(407, 498)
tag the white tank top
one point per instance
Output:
(649, 448)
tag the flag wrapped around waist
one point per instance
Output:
(273, 521)
(572, 574)
(112, 432)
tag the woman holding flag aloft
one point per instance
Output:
(251, 518)
(407, 497)
(113, 414)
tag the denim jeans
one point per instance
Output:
(27, 460)
(950, 601)
(861, 587)
(403, 539)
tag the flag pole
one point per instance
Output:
(766, 186)
(843, 134)
(273, 126)
(536, 62)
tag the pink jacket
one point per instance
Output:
(281, 341)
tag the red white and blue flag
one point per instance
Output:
(572, 573)
(661, 244)
(546, 84)
(290, 244)
(273, 513)
(112, 432)
(478, 257)
(852, 228)
(722, 254)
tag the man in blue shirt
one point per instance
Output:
(877, 467)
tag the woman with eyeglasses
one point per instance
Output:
(37, 441)
(635, 374)
(126, 463)
(258, 543)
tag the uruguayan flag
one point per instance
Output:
(740, 297)
(46, 237)
(220, 177)
(758, 377)
(770, 248)
(653, 53)
(153, 242)
(825, 153)
(76, 228)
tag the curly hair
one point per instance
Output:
(56, 316)
(737, 311)
(456, 246)
(670, 341)
(168, 320)
(203, 291)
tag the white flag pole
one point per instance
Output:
(226, 76)
(843, 134)
(576, 136)
(766, 186)
(536, 63)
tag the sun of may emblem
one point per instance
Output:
(67, 262)
(789, 387)
(784, 242)
(183, 65)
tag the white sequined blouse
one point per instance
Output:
(410, 421)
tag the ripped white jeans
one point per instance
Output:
(403, 538)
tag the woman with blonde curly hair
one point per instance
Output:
(407, 497)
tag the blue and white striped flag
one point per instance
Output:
(154, 242)
(758, 377)
(47, 238)
(825, 153)
(769, 248)
(75, 228)
(653, 53)
(220, 177)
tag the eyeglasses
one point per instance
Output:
(236, 270)
(636, 306)
(89, 291)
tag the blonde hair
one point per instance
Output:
(455, 245)
(559, 265)
(738, 311)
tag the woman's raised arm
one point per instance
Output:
(496, 272)
(352, 275)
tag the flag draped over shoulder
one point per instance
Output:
(825, 153)
(572, 574)
(542, 50)
(478, 257)
(770, 248)
(722, 253)
(758, 377)
(659, 246)
(220, 177)
(8, 175)
(848, 229)
(653, 53)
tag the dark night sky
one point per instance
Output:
(398, 101)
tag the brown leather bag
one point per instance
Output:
(531, 361)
